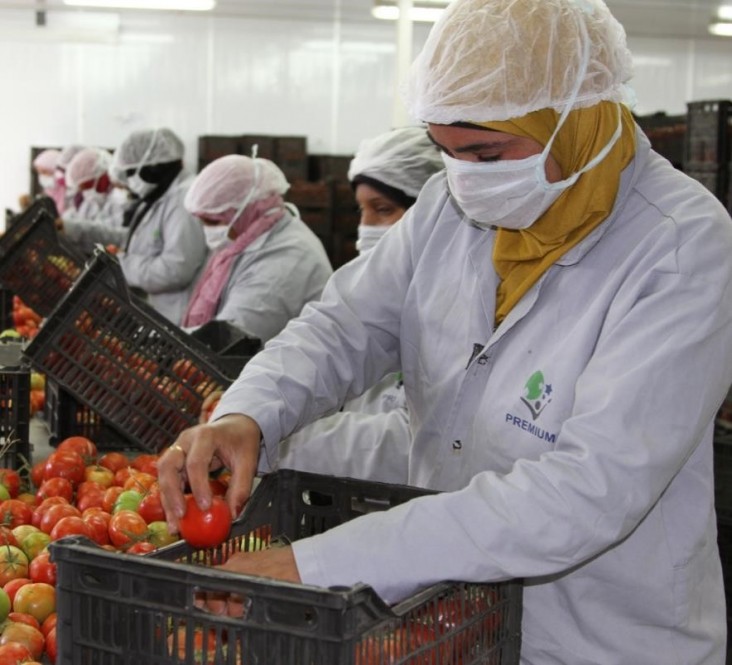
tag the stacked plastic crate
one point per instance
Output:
(707, 146)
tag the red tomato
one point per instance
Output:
(99, 474)
(55, 513)
(13, 653)
(22, 617)
(11, 587)
(126, 527)
(55, 487)
(51, 649)
(42, 569)
(91, 499)
(72, 525)
(11, 479)
(30, 637)
(121, 475)
(141, 547)
(205, 528)
(37, 471)
(14, 512)
(151, 507)
(7, 537)
(40, 510)
(69, 465)
(37, 599)
(147, 463)
(79, 444)
(49, 623)
(110, 497)
(113, 461)
(28, 497)
(98, 526)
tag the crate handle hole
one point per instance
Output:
(216, 602)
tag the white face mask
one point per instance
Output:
(513, 194)
(46, 181)
(368, 236)
(137, 185)
(217, 237)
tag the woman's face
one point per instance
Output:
(480, 145)
(375, 208)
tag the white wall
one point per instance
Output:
(333, 82)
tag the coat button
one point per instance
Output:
(457, 444)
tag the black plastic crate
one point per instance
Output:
(6, 309)
(708, 133)
(14, 406)
(227, 340)
(114, 353)
(35, 263)
(715, 179)
(723, 475)
(66, 416)
(122, 609)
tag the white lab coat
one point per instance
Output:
(93, 224)
(368, 438)
(273, 278)
(592, 479)
(166, 252)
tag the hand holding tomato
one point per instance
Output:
(232, 441)
(205, 528)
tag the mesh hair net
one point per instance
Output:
(67, 154)
(46, 160)
(403, 158)
(148, 146)
(224, 184)
(89, 164)
(488, 60)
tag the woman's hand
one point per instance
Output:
(232, 442)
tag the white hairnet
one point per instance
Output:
(46, 160)
(67, 154)
(489, 60)
(89, 164)
(225, 183)
(148, 146)
(402, 158)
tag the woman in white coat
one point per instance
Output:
(369, 436)
(165, 247)
(265, 263)
(560, 304)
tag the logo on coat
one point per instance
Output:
(537, 394)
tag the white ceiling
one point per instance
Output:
(672, 18)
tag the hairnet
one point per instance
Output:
(46, 160)
(225, 183)
(403, 158)
(487, 60)
(89, 164)
(67, 154)
(148, 146)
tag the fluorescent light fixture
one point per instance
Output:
(422, 14)
(171, 5)
(721, 29)
(725, 13)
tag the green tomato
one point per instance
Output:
(4, 494)
(159, 535)
(5, 605)
(34, 543)
(127, 500)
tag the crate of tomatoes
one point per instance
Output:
(113, 353)
(15, 406)
(120, 608)
(35, 264)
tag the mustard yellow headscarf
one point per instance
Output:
(522, 256)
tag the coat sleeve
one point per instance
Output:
(87, 233)
(182, 255)
(352, 445)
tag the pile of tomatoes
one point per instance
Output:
(112, 498)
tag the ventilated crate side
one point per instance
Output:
(115, 354)
(122, 609)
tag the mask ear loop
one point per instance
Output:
(250, 193)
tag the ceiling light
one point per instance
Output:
(422, 14)
(721, 29)
(171, 5)
(725, 12)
